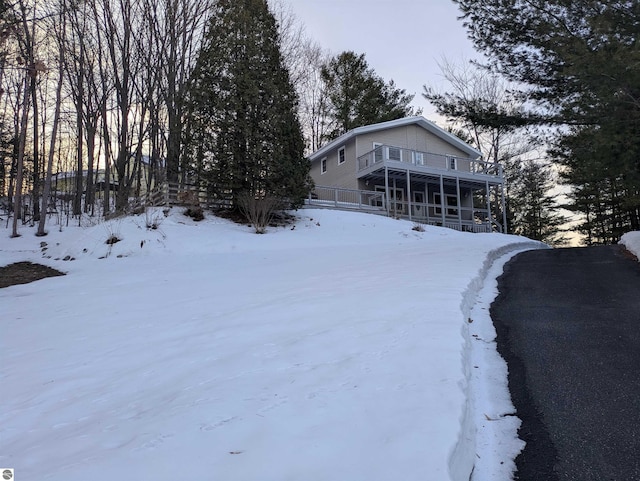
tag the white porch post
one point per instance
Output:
(459, 203)
(442, 199)
(504, 209)
(386, 187)
(395, 197)
(488, 194)
(409, 192)
(426, 199)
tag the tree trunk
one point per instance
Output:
(17, 205)
(89, 197)
(47, 182)
(107, 161)
(77, 200)
(36, 154)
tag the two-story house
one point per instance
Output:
(410, 168)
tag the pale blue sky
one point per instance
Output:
(403, 39)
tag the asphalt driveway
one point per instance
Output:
(568, 323)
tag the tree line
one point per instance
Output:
(103, 100)
(573, 69)
(107, 99)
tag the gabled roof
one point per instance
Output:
(421, 121)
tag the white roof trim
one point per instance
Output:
(421, 121)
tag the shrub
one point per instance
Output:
(258, 210)
(196, 213)
(153, 218)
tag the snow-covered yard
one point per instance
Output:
(349, 347)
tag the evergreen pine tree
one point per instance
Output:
(581, 64)
(357, 96)
(242, 108)
(534, 209)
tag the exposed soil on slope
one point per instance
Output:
(25, 272)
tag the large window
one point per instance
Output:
(341, 155)
(323, 165)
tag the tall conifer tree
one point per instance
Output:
(358, 96)
(581, 63)
(245, 131)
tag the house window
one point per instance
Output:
(395, 154)
(377, 152)
(451, 204)
(323, 166)
(341, 156)
(418, 158)
(452, 163)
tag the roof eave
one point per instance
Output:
(419, 120)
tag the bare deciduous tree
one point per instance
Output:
(56, 118)
(304, 59)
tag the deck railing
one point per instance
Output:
(384, 153)
(346, 198)
(469, 220)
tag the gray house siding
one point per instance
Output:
(337, 175)
(410, 137)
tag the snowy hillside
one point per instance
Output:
(337, 349)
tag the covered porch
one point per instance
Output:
(420, 202)
(437, 200)
(437, 189)
(463, 194)
(460, 193)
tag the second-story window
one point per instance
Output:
(453, 164)
(377, 152)
(341, 155)
(323, 166)
(395, 154)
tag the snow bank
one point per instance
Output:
(631, 240)
(488, 441)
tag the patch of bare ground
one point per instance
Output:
(25, 272)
